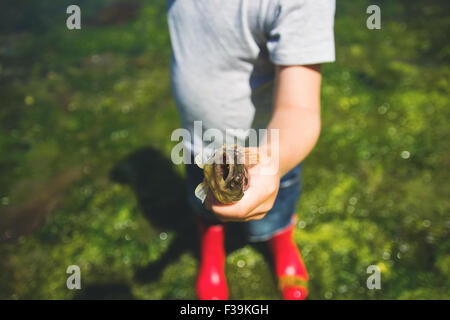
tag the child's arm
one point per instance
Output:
(297, 116)
(296, 113)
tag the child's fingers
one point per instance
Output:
(238, 210)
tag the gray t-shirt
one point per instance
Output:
(224, 52)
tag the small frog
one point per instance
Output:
(226, 173)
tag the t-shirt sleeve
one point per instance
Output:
(302, 32)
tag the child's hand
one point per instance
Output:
(258, 199)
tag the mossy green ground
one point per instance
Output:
(86, 177)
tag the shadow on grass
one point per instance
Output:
(161, 195)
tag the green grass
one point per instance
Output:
(86, 177)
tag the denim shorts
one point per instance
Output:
(278, 218)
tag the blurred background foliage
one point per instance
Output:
(85, 175)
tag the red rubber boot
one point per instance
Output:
(289, 266)
(211, 282)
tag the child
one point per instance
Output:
(238, 64)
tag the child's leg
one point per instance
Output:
(289, 266)
(277, 228)
(211, 282)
